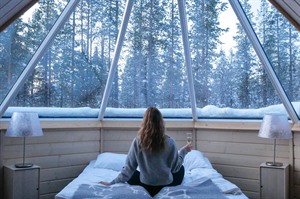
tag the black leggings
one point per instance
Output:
(153, 190)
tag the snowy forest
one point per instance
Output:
(151, 70)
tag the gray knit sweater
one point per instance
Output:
(155, 169)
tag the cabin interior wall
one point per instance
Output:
(236, 154)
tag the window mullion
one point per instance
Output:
(115, 60)
(187, 55)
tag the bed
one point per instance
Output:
(201, 180)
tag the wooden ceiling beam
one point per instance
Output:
(10, 10)
(291, 12)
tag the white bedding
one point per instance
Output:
(106, 167)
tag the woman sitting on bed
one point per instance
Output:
(156, 154)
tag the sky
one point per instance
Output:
(28, 14)
(229, 20)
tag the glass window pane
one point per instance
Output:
(20, 40)
(281, 41)
(229, 79)
(151, 69)
(73, 71)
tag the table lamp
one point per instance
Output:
(275, 126)
(24, 124)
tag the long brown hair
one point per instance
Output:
(152, 132)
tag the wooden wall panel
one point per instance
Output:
(297, 192)
(119, 141)
(237, 171)
(237, 155)
(64, 153)
(266, 150)
(1, 163)
(61, 154)
(296, 168)
(245, 184)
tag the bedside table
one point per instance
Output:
(274, 182)
(21, 183)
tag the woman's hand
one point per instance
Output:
(104, 183)
(188, 147)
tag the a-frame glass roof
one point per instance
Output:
(113, 58)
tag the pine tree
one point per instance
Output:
(204, 40)
(278, 40)
(144, 63)
(222, 93)
(42, 79)
(13, 58)
(174, 91)
(245, 60)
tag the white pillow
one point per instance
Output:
(195, 159)
(111, 161)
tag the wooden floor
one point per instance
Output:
(236, 153)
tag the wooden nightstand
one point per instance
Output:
(21, 183)
(274, 182)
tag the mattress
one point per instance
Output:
(201, 180)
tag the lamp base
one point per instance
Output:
(274, 164)
(23, 165)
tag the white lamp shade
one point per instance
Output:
(24, 124)
(275, 126)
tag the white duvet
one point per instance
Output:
(107, 166)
